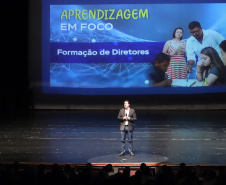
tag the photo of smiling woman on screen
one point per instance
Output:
(175, 48)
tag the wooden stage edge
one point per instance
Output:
(113, 164)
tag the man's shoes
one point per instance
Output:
(121, 154)
(131, 154)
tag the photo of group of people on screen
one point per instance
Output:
(205, 50)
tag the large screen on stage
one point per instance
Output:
(109, 47)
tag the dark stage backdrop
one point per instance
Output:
(14, 81)
(22, 79)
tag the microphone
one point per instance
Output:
(126, 114)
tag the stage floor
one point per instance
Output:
(81, 136)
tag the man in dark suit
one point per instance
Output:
(127, 116)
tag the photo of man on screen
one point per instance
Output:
(200, 39)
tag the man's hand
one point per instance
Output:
(126, 118)
(189, 69)
(190, 64)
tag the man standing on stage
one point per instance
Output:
(127, 116)
(199, 40)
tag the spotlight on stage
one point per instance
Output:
(126, 160)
